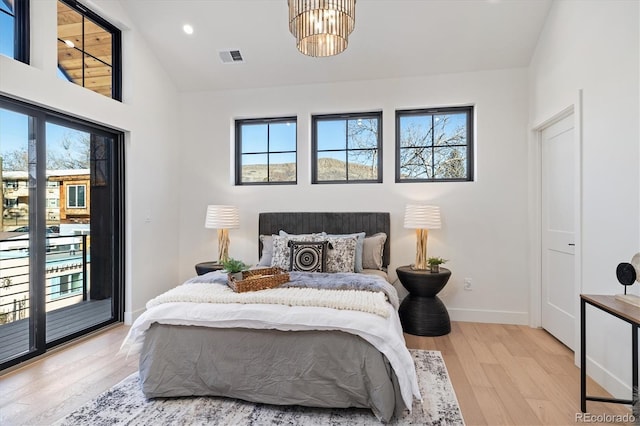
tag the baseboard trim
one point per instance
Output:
(489, 316)
(131, 316)
(612, 384)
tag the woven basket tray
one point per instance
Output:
(258, 279)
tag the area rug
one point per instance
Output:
(124, 404)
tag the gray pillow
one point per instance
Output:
(372, 250)
(267, 250)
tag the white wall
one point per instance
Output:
(484, 222)
(180, 157)
(147, 115)
(593, 46)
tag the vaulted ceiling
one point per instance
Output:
(392, 38)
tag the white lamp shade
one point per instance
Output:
(222, 217)
(422, 217)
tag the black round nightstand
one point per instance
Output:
(422, 313)
(204, 267)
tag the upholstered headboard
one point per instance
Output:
(331, 223)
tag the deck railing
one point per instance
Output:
(66, 276)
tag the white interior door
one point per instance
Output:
(558, 230)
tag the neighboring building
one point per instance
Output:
(68, 214)
(68, 198)
(74, 195)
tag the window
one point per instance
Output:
(14, 29)
(266, 151)
(434, 145)
(347, 148)
(75, 196)
(66, 285)
(88, 49)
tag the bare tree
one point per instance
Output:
(452, 166)
(363, 139)
(429, 152)
(72, 152)
(415, 152)
(16, 160)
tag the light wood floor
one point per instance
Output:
(502, 375)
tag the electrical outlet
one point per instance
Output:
(467, 284)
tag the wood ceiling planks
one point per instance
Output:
(88, 62)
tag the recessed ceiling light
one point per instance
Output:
(188, 29)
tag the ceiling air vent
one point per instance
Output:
(230, 56)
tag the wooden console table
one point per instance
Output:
(626, 312)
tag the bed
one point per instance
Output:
(345, 350)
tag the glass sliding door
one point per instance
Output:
(16, 319)
(63, 233)
(78, 296)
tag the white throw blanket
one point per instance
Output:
(354, 300)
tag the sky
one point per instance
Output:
(332, 140)
(14, 133)
(14, 126)
(6, 32)
(261, 137)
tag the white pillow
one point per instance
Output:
(295, 236)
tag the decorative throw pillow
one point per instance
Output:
(357, 266)
(267, 250)
(372, 251)
(308, 256)
(281, 250)
(341, 254)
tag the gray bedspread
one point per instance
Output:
(308, 368)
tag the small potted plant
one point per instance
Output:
(434, 264)
(234, 267)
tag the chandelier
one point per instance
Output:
(321, 27)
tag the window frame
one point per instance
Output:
(238, 149)
(470, 112)
(116, 46)
(115, 220)
(70, 280)
(21, 31)
(346, 117)
(84, 196)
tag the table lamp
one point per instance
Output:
(421, 218)
(222, 218)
